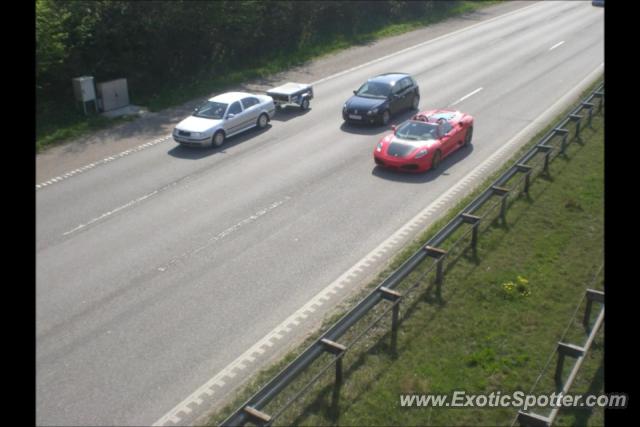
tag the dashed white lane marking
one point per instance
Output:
(467, 96)
(556, 45)
(106, 214)
(463, 184)
(225, 233)
(127, 205)
(103, 161)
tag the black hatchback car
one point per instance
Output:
(380, 98)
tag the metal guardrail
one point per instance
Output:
(531, 419)
(251, 410)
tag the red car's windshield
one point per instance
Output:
(417, 131)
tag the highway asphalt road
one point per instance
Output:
(158, 269)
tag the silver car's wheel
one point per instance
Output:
(416, 102)
(305, 104)
(218, 139)
(262, 121)
(385, 117)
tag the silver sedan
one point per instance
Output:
(223, 116)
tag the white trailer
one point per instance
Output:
(299, 94)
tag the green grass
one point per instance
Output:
(479, 335)
(489, 339)
(64, 122)
(73, 124)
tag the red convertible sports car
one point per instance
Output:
(421, 143)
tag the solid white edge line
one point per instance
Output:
(106, 160)
(463, 182)
(556, 45)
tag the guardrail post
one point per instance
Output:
(577, 118)
(592, 295)
(475, 222)
(589, 106)
(439, 255)
(565, 349)
(394, 297)
(527, 419)
(547, 150)
(526, 169)
(395, 313)
(601, 96)
(502, 192)
(256, 416)
(563, 143)
(338, 350)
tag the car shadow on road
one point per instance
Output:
(377, 129)
(424, 177)
(287, 113)
(196, 153)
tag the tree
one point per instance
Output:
(51, 40)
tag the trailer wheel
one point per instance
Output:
(468, 136)
(305, 104)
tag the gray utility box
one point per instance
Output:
(113, 94)
(83, 89)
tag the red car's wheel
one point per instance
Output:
(435, 162)
(468, 136)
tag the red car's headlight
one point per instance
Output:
(423, 152)
(379, 147)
